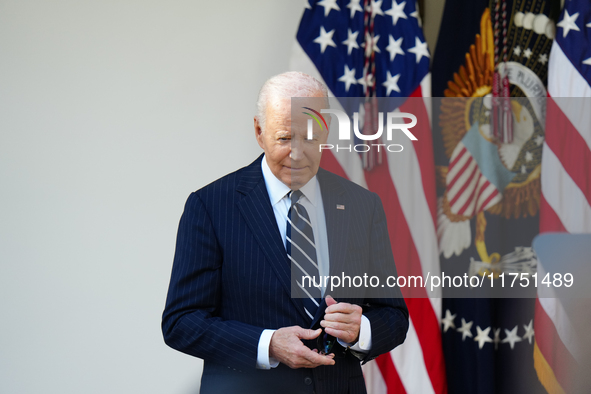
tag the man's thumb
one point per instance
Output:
(330, 301)
(310, 334)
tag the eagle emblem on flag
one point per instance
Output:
(485, 172)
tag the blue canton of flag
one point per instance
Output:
(336, 37)
(575, 36)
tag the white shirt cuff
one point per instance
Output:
(263, 359)
(364, 343)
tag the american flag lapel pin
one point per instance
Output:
(341, 206)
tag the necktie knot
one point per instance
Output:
(295, 196)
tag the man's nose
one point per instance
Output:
(296, 149)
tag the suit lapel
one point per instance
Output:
(257, 211)
(337, 225)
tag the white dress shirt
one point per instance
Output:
(312, 202)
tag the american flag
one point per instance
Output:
(468, 189)
(377, 48)
(566, 180)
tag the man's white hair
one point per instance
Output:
(289, 84)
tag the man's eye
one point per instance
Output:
(284, 138)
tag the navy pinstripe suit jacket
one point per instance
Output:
(231, 279)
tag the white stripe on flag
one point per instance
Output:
(484, 194)
(574, 220)
(374, 381)
(467, 195)
(464, 157)
(409, 362)
(563, 197)
(565, 80)
(554, 309)
(463, 179)
(406, 176)
(426, 93)
(474, 188)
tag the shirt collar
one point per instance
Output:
(277, 189)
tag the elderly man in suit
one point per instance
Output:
(240, 244)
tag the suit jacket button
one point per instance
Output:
(308, 380)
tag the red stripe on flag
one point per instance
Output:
(330, 163)
(569, 147)
(458, 157)
(428, 332)
(480, 192)
(390, 374)
(554, 351)
(459, 174)
(492, 195)
(549, 220)
(473, 197)
(408, 263)
(465, 186)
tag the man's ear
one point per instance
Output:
(258, 132)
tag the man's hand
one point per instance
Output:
(286, 347)
(342, 320)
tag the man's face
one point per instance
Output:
(292, 158)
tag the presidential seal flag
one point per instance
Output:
(490, 70)
(371, 49)
(566, 182)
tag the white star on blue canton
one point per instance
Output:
(420, 49)
(325, 39)
(348, 78)
(466, 329)
(529, 332)
(397, 12)
(568, 23)
(351, 41)
(511, 337)
(361, 81)
(394, 47)
(376, 8)
(391, 83)
(374, 46)
(307, 6)
(482, 336)
(448, 321)
(354, 7)
(328, 6)
(415, 14)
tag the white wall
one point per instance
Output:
(111, 113)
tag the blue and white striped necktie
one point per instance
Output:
(301, 249)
